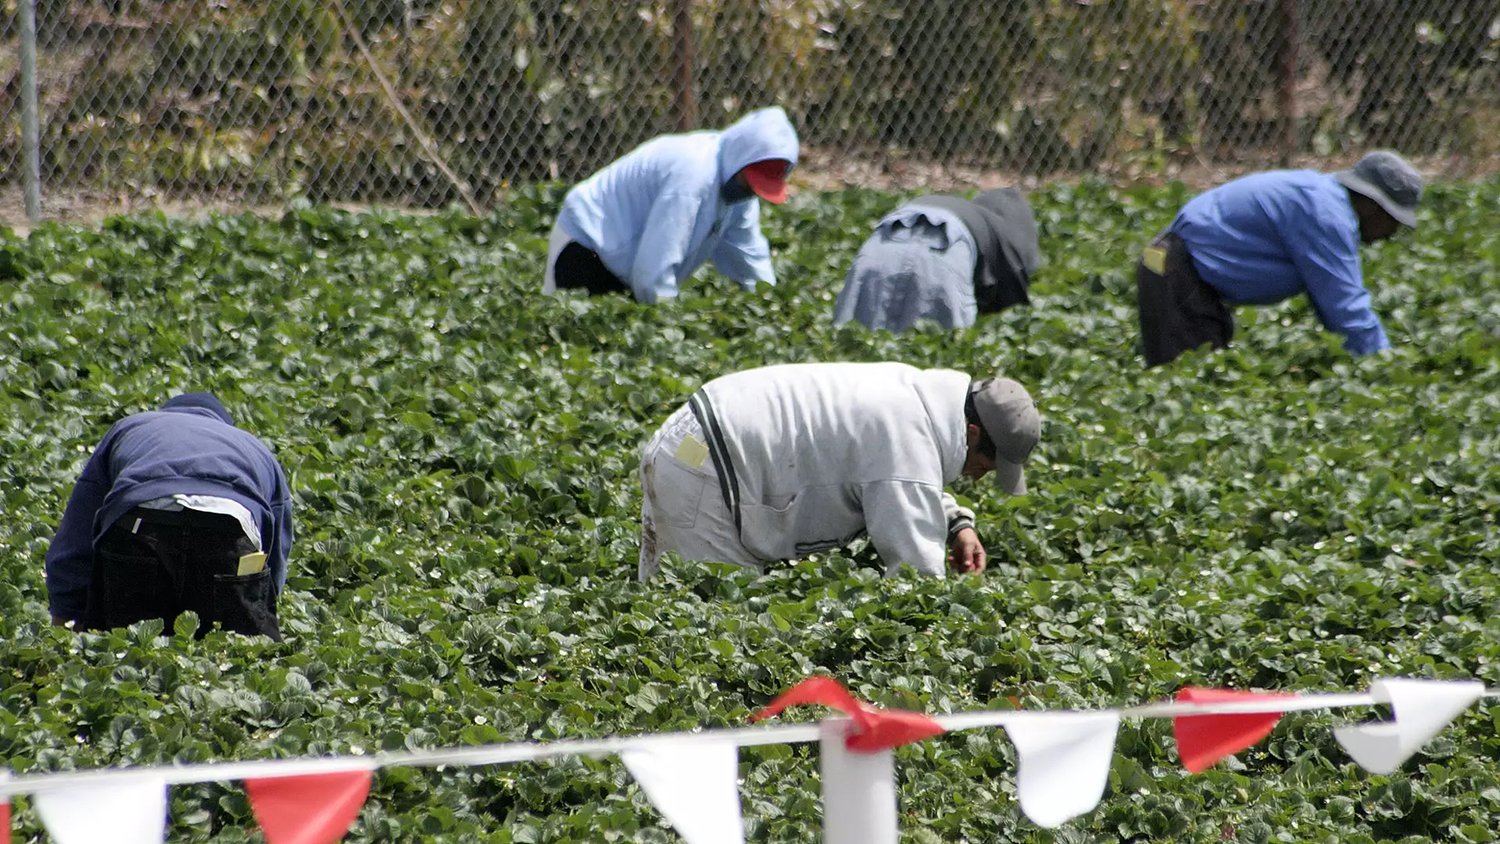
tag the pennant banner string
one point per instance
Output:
(495, 754)
(1298, 703)
(1295, 703)
(532, 751)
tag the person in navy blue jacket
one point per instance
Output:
(1267, 237)
(176, 510)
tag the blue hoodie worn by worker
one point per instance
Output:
(190, 448)
(656, 214)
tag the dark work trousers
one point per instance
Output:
(159, 563)
(579, 266)
(1178, 310)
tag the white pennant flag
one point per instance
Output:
(1420, 709)
(132, 810)
(694, 784)
(1064, 764)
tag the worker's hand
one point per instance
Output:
(965, 553)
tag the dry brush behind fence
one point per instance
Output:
(416, 102)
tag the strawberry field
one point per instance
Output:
(464, 452)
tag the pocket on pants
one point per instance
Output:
(770, 527)
(127, 588)
(676, 492)
(245, 604)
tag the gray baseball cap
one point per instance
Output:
(1011, 421)
(1388, 179)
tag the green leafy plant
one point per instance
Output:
(463, 452)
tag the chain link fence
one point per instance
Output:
(430, 102)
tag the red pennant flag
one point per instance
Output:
(885, 729)
(310, 809)
(1203, 740)
(878, 729)
(824, 690)
(4, 823)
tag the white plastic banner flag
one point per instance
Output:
(1064, 762)
(694, 784)
(127, 811)
(1420, 709)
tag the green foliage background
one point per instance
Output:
(464, 451)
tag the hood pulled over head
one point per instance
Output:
(761, 135)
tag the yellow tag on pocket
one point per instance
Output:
(692, 452)
(1155, 259)
(253, 563)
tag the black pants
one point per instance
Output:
(1178, 310)
(159, 563)
(579, 266)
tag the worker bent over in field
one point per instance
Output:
(943, 258)
(176, 510)
(781, 462)
(644, 223)
(1267, 237)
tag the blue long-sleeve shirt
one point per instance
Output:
(147, 456)
(1269, 236)
(656, 214)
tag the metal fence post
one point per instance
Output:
(1288, 87)
(31, 141)
(682, 48)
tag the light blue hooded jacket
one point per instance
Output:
(656, 214)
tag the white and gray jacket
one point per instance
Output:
(810, 456)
